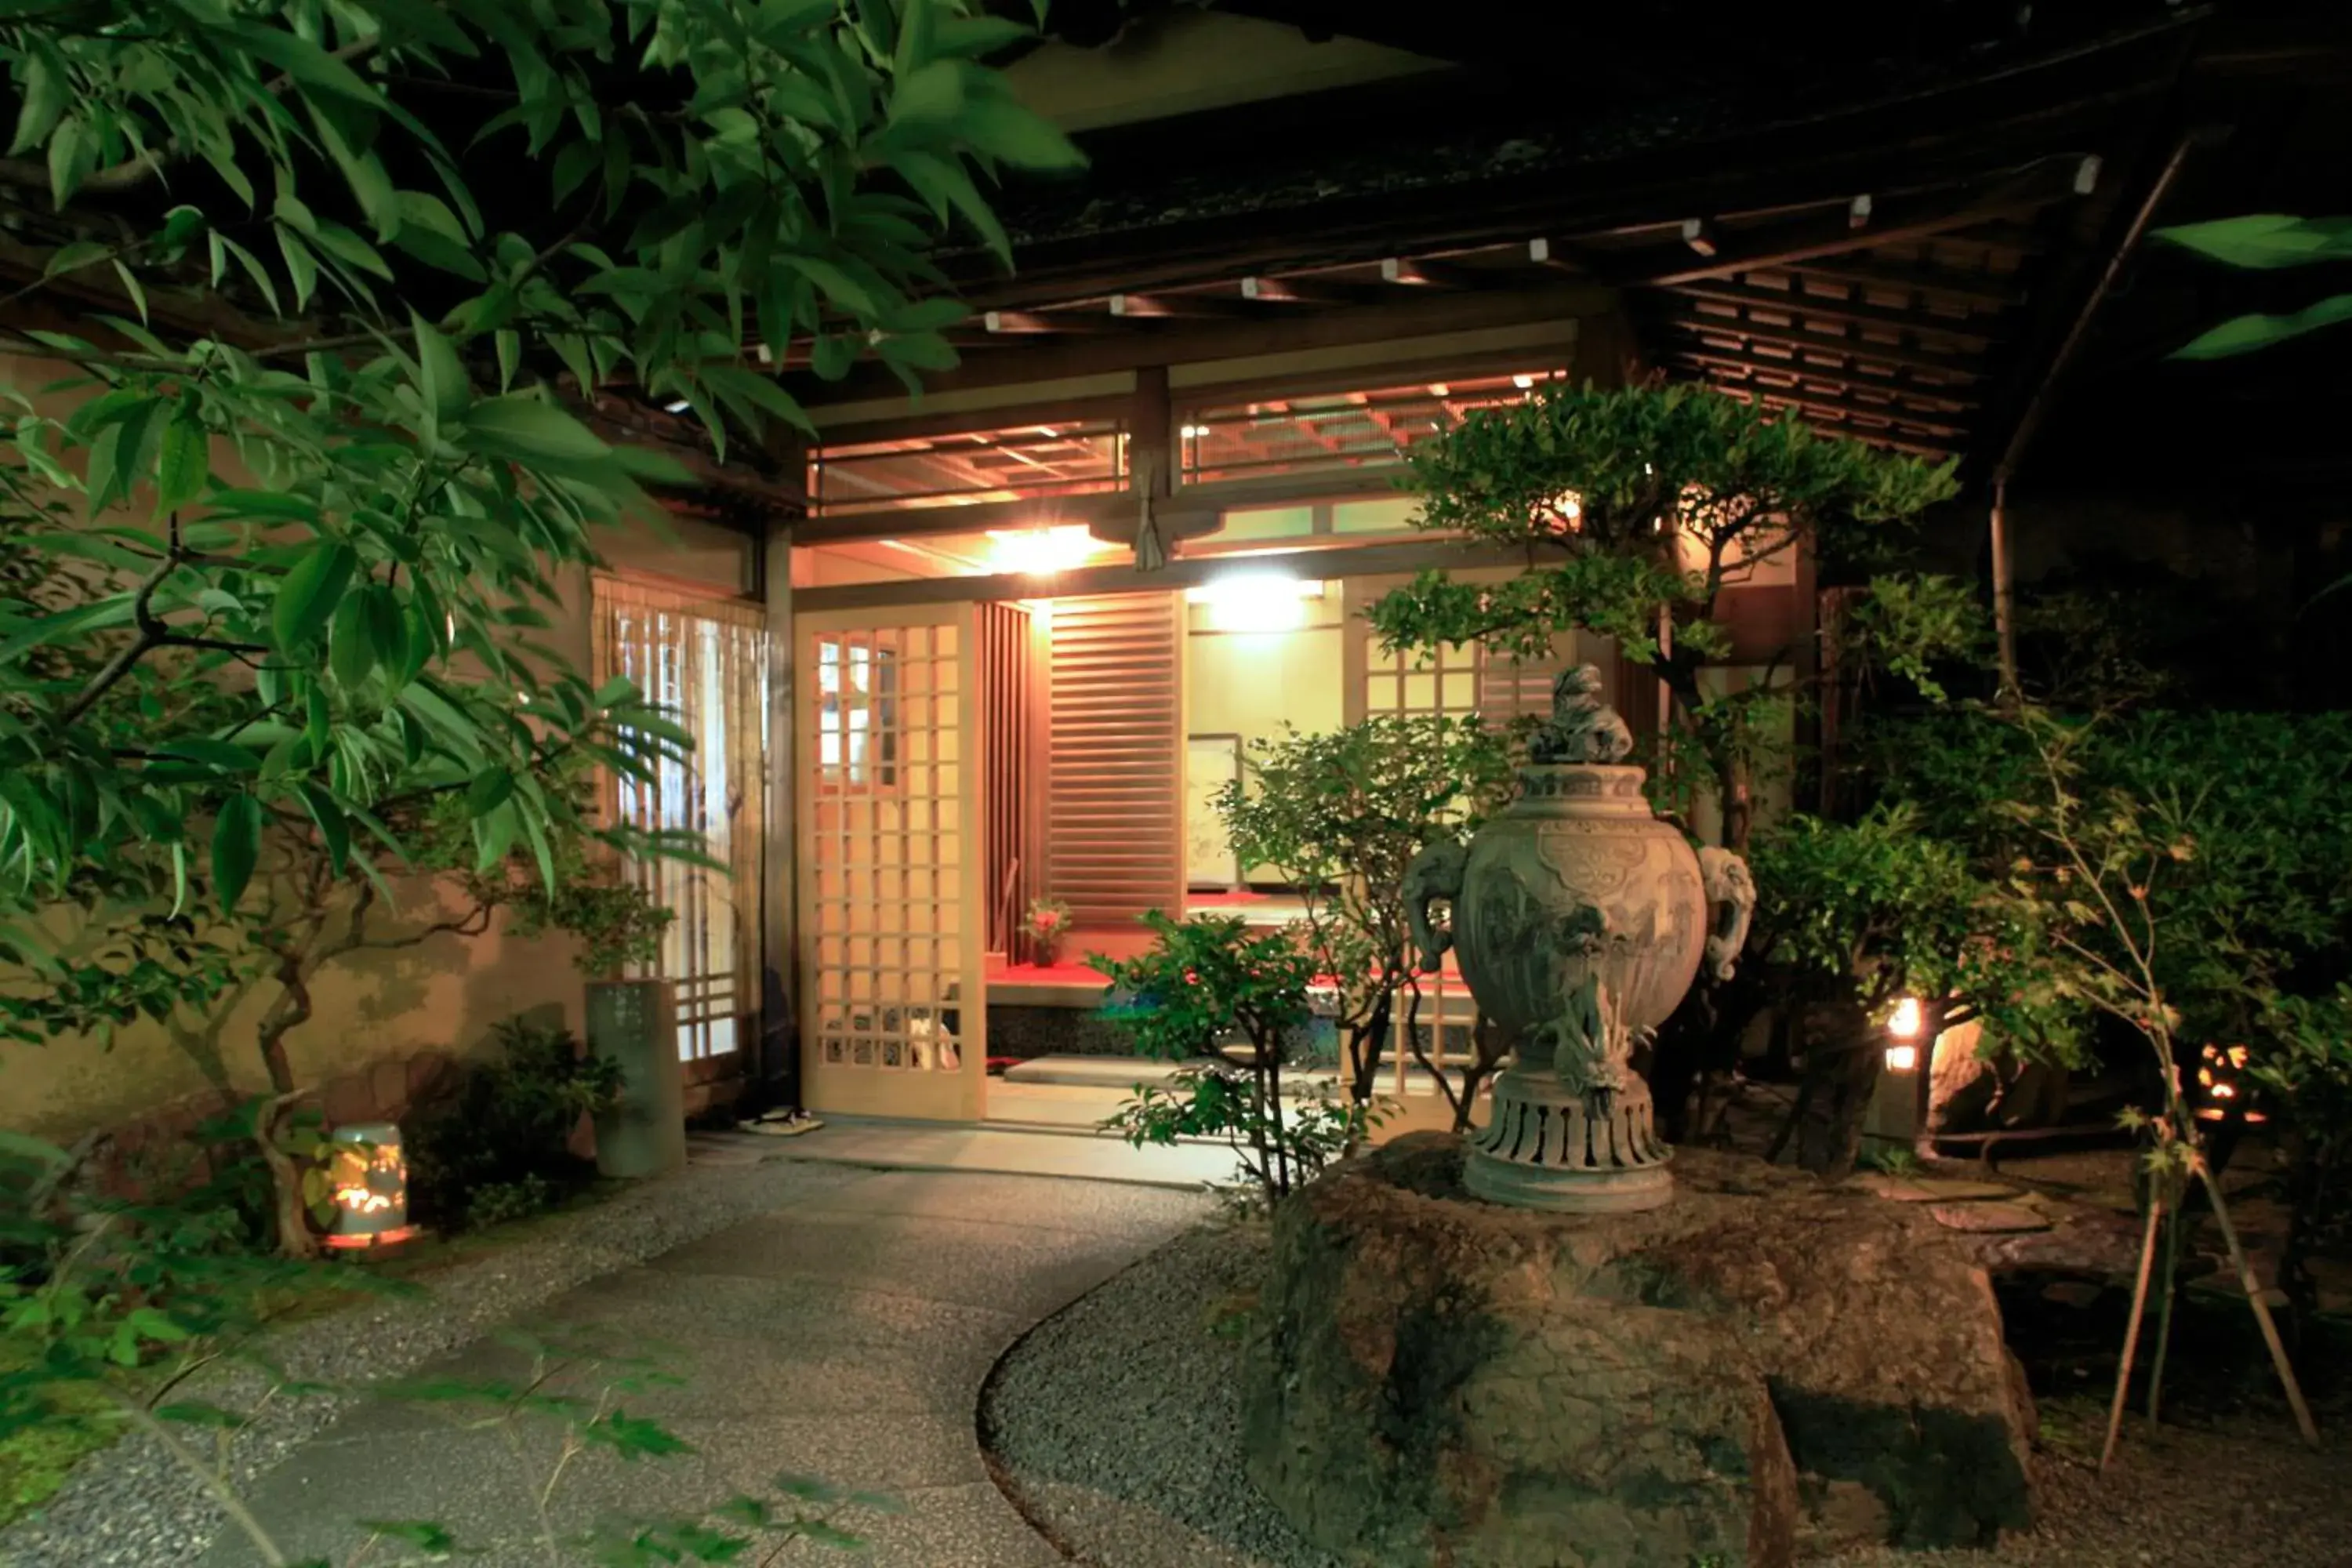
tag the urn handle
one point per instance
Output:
(1731, 906)
(1435, 873)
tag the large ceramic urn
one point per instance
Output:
(1581, 921)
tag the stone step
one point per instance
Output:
(1126, 1072)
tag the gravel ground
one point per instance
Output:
(132, 1506)
(1116, 1427)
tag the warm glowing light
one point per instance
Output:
(1905, 1024)
(368, 1180)
(1902, 1058)
(1040, 551)
(1196, 432)
(1439, 389)
(1524, 382)
(1257, 601)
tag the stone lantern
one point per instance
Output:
(1581, 921)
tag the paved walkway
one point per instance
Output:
(845, 1336)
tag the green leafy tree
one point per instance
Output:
(2096, 885)
(1341, 814)
(1856, 916)
(1645, 504)
(280, 521)
(1211, 987)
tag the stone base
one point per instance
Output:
(1547, 1146)
(1765, 1368)
(1567, 1192)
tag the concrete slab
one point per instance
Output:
(846, 1337)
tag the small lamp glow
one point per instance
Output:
(1903, 1027)
(367, 1178)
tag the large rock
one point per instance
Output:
(1765, 1368)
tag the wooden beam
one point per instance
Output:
(1173, 307)
(1302, 291)
(1860, 350)
(1035, 323)
(1185, 572)
(1700, 237)
(1426, 273)
(1845, 311)
(1102, 507)
(1398, 314)
(2053, 180)
(1807, 374)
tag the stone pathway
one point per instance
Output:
(844, 1336)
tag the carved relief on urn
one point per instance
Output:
(1581, 921)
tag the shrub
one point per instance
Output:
(1211, 987)
(498, 1145)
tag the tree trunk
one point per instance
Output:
(1845, 1069)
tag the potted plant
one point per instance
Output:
(1047, 925)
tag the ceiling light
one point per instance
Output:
(1524, 382)
(1439, 389)
(1256, 601)
(1040, 552)
(677, 406)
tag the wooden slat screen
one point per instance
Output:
(1008, 710)
(1115, 825)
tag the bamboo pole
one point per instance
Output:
(2172, 1287)
(2302, 1421)
(2131, 1332)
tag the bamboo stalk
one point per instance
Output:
(2172, 1287)
(2131, 1333)
(2302, 1421)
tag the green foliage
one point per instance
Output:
(1873, 904)
(575, 1385)
(276, 553)
(2264, 242)
(1341, 816)
(497, 1145)
(2307, 1069)
(1208, 981)
(1909, 624)
(1649, 502)
(1645, 464)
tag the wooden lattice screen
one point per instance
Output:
(1116, 820)
(705, 659)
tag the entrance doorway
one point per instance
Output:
(891, 759)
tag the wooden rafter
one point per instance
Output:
(1860, 351)
(2051, 180)
(1906, 394)
(1978, 290)
(1847, 411)
(1847, 313)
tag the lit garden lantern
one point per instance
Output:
(367, 1179)
(2222, 1084)
(1903, 1029)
